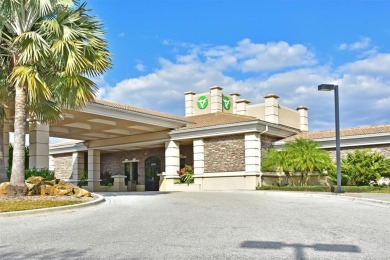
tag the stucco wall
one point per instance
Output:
(224, 153)
(113, 162)
(62, 165)
(289, 117)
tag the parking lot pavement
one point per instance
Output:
(204, 225)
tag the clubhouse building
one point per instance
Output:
(221, 136)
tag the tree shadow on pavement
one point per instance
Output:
(44, 254)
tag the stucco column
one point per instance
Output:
(93, 169)
(198, 156)
(189, 103)
(39, 145)
(241, 106)
(271, 108)
(303, 118)
(216, 99)
(77, 164)
(252, 152)
(172, 158)
(235, 97)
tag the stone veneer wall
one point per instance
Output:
(266, 143)
(224, 153)
(113, 162)
(188, 152)
(63, 165)
(383, 149)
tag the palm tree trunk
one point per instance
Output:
(3, 174)
(17, 185)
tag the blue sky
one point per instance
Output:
(162, 49)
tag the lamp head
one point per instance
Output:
(326, 87)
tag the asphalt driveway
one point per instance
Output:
(203, 225)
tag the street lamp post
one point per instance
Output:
(329, 87)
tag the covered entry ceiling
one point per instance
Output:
(115, 127)
(110, 126)
(86, 126)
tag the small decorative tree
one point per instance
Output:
(186, 174)
(279, 161)
(307, 157)
(300, 155)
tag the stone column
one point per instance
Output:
(241, 106)
(172, 158)
(77, 165)
(252, 153)
(93, 169)
(216, 99)
(39, 145)
(271, 108)
(303, 118)
(198, 156)
(235, 97)
(189, 103)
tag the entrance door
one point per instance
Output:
(152, 167)
(127, 173)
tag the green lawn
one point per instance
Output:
(8, 206)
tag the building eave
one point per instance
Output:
(235, 128)
(140, 117)
(348, 141)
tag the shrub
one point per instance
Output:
(361, 167)
(378, 189)
(45, 173)
(372, 189)
(83, 177)
(296, 188)
(186, 174)
(106, 179)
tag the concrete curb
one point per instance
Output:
(100, 199)
(346, 196)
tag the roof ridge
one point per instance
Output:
(353, 131)
(223, 113)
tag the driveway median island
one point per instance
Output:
(43, 194)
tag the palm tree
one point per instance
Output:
(307, 157)
(3, 104)
(49, 48)
(279, 160)
(3, 174)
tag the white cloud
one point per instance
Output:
(364, 84)
(122, 34)
(363, 43)
(273, 55)
(377, 65)
(140, 67)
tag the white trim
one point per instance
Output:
(113, 112)
(231, 129)
(68, 148)
(129, 161)
(349, 141)
(227, 174)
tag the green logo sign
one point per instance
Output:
(226, 102)
(202, 102)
